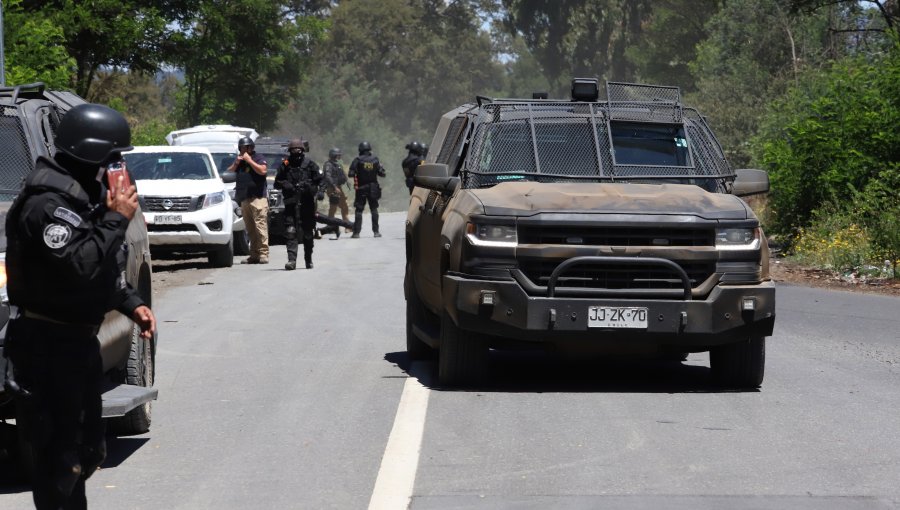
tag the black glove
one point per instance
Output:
(287, 186)
(320, 196)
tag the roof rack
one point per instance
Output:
(30, 89)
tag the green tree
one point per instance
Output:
(668, 42)
(422, 56)
(130, 34)
(573, 38)
(34, 49)
(833, 141)
(242, 60)
(754, 50)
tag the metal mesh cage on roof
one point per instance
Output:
(17, 161)
(545, 140)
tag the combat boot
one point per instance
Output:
(309, 264)
(290, 266)
(354, 236)
(377, 234)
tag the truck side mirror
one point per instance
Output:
(750, 181)
(228, 176)
(436, 177)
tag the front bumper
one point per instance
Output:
(715, 320)
(206, 227)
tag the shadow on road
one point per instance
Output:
(539, 372)
(12, 480)
(170, 263)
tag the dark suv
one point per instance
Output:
(29, 118)
(584, 225)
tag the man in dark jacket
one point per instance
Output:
(414, 158)
(250, 191)
(301, 181)
(365, 171)
(66, 261)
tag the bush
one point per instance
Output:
(834, 240)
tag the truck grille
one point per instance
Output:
(615, 276)
(616, 236)
(167, 204)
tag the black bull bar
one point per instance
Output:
(636, 261)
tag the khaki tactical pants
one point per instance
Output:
(256, 220)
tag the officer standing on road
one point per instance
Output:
(302, 183)
(413, 159)
(365, 170)
(66, 262)
(335, 178)
(250, 190)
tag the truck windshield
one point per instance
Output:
(638, 143)
(168, 165)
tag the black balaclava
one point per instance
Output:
(88, 175)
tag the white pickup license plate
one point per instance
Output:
(167, 219)
(617, 317)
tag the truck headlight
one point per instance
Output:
(212, 199)
(485, 234)
(737, 238)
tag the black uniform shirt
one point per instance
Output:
(249, 183)
(299, 180)
(66, 253)
(366, 168)
(410, 163)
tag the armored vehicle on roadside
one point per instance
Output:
(611, 227)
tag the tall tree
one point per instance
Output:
(573, 38)
(754, 49)
(423, 57)
(669, 39)
(242, 59)
(35, 49)
(110, 33)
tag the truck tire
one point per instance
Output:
(739, 365)
(416, 349)
(139, 371)
(222, 256)
(463, 357)
(241, 242)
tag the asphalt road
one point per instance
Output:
(292, 390)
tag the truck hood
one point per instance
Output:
(529, 198)
(178, 187)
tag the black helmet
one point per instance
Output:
(424, 150)
(365, 147)
(91, 133)
(246, 141)
(416, 148)
(298, 143)
(334, 153)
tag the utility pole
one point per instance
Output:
(2, 55)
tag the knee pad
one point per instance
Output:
(290, 232)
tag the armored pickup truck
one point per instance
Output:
(591, 226)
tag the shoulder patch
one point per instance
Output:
(68, 216)
(56, 235)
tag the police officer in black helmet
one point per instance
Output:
(365, 170)
(414, 158)
(301, 181)
(66, 264)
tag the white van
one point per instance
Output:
(184, 201)
(221, 140)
